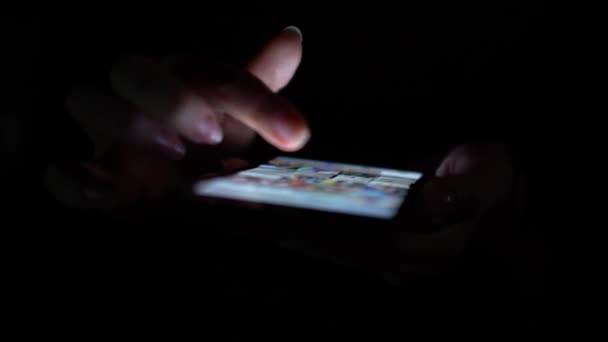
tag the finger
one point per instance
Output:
(430, 205)
(209, 91)
(234, 164)
(108, 121)
(152, 88)
(251, 102)
(139, 172)
(277, 61)
(460, 161)
(236, 136)
(275, 65)
(120, 177)
(79, 185)
(485, 169)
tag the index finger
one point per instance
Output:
(248, 100)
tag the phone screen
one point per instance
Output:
(318, 185)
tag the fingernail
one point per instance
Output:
(294, 29)
(291, 131)
(170, 145)
(284, 130)
(209, 131)
(145, 132)
(290, 137)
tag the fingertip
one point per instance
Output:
(207, 131)
(442, 170)
(290, 130)
(460, 161)
(294, 30)
(197, 121)
(147, 132)
(297, 141)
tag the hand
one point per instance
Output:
(474, 190)
(157, 115)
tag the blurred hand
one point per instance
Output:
(157, 113)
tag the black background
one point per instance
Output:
(380, 85)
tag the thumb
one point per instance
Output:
(276, 62)
(460, 161)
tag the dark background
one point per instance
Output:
(380, 85)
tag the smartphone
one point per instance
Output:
(315, 185)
